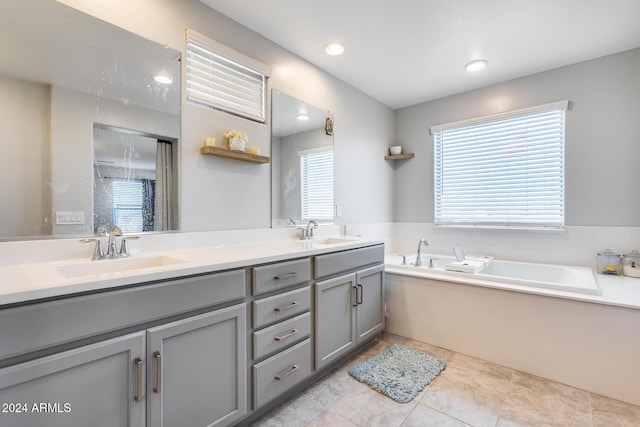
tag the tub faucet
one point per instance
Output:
(419, 255)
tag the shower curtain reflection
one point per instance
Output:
(164, 207)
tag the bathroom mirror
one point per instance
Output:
(63, 75)
(302, 178)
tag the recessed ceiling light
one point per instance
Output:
(334, 48)
(476, 65)
(302, 117)
(163, 78)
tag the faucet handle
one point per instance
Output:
(124, 249)
(98, 253)
(102, 231)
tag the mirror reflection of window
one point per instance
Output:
(316, 184)
(301, 163)
(133, 180)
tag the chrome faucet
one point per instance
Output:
(307, 233)
(112, 253)
(111, 247)
(419, 255)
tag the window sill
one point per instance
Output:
(534, 229)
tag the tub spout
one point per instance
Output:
(419, 255)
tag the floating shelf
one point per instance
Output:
(400, 156)
(232, 154)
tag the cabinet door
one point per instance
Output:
(196, 370)
(370, 299)
(95, 385)
(335, 318)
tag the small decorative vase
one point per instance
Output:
(236, 144)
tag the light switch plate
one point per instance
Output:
(69, 218)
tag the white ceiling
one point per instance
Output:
(404, 52)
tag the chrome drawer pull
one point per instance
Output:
(138, 396)
(158, 357)
(285, 276)
(361, 288)
(286, 374)
(293, 332)
(293, 304)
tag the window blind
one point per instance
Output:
(127, 205)
(505, 170)
(316, 184)
(224, 79)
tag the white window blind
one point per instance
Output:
(316, 184)
(127, 205)
(224, 79)
(505, 170)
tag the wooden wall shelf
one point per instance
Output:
(400, 156)
(232, 154)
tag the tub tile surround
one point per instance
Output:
(470, 392)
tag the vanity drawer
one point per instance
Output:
(279, 373)
(41, 325)
(340, 262)
(281, 275)
(281, 306)
(281, 335)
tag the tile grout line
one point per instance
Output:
(506, 396)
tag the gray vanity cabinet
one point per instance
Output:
(281, 328)
(349, 308)
(180, 361)
(195, 370)
(97, 385)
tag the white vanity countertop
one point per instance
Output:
(32, 281)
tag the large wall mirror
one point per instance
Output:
(302, 177)
(83, 105)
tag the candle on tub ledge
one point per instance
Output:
(254, 150)
(210, 142)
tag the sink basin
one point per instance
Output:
(327, 241)
(91, 268)
(334, 241)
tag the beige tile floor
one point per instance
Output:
(470, 392)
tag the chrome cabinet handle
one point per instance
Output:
(285, 276)
(359, 301)
(355, 304)
(293, 332)
(138, 396)
(158, 357)
(286, 374)
(290, 306)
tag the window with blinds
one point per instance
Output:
(127, 205)
(506, 170)
(224, 79)
(316, 184)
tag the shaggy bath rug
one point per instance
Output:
(399, 372)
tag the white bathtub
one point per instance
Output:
(511, 274)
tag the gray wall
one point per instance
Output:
(602, 138)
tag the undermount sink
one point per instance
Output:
(327, 241)
(91, 268)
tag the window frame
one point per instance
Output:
(556, 221)
(224, 79)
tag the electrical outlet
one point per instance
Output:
(339, 210)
